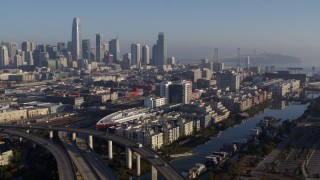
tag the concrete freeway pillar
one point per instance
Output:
(128, 158)
(110, 149)
(90, 141)
(51, 134)
(138, 164)
(74, 136)
(154, 173)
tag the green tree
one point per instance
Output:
(16, 154)
(232, 167)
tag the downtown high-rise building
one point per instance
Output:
(32, 47)
(86, 49)
(29, 58)
(135, 54)
(105, 48)
(154, 55)
(126, 61)
(171, 60)
(76, 39)
(114, 48)
(7, 44)
(108, 58)
(99, 49)
(69, 46)
(145, 55)
(61, 46)
(42, 48)
(13, 50)
(162, 51)
(175, 92)
(180, 92)
(26, 46)
(4, 56)
(17, 60)
(23, 56)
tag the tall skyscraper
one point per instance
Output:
(162, 50)
(86, 49)
(23, 56)
(7, 44)
(154, 55)
(108, 58)
(114, 48)
(69, 46)
(126, 61)
(105, 48)
(26, 46)
(4, 57)
(99, 51)
(13, 50)
(145, 55)
(135, 54)
(171, 60)
(32, 47)
(17, 60)
(61, 46)
(42, 48)
(29, 58)
(216, 55)
(76, 39)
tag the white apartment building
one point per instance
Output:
(228, 79)
(155, 141)
(171, 134)
(154, 102)
(12, 115)
(186, 127)
(147, 136)
(285, 87)
(37, 111)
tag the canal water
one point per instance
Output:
(283, 110)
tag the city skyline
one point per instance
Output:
(194, 29)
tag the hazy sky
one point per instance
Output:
(193, 27)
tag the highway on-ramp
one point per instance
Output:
(164, 167)
(65, 166)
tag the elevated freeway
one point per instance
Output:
(89, 164)
(75, 154)
(157, 162)
(100, 167)
(65, 166)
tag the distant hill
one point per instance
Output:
(266, 58)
